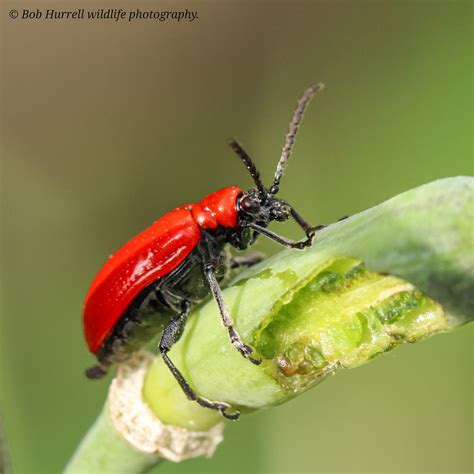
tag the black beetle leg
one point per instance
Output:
(300, 245)
(235, 339)
(171, 334)
(309, 231)
(302, 223)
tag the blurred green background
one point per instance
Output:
(108, 125)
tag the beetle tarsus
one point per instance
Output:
(221, 407)
(230, 416)
(243, 348)
(96, 372)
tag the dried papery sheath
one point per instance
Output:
(127, 437)
(133, 419)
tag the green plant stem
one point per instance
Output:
(310, 313)
(104, 451)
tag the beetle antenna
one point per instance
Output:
(249, 164)
(290, 136)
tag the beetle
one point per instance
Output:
(151, 283)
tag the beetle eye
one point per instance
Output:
(250, 205)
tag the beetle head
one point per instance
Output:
(262, 209)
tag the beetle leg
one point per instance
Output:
(304, 225)
(246, 260)
(300, 245)
(171, 334)
(234, 336)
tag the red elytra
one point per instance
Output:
(149, 256)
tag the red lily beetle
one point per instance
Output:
(151, 283)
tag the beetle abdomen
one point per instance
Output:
(144, 319)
